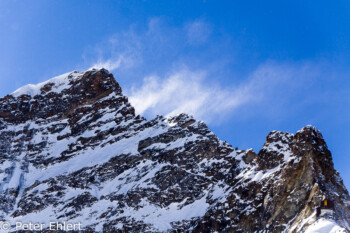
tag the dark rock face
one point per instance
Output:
(72, 149)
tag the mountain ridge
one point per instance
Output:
(72, 148)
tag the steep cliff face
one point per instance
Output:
(72, 149)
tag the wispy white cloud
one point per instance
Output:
(198, 87)
(155, 42)
(268, 91)
(113, 64)
(108, 64)
(198, 32)
(186, 91)
(119, 51)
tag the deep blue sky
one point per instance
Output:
(248, 66)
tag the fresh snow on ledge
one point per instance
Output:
(325, 226)
(60, 82)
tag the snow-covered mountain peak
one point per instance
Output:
(56, 84)
(73, 149)
(310, 130)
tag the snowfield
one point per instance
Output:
(325, 226)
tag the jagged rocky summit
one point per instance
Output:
(73, 150)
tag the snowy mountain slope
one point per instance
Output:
(325, 226)
(72, 149)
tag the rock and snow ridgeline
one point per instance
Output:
(72, 149)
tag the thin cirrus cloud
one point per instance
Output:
(155, 43)
(198, 32)
(158, 46)
(176, 85)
